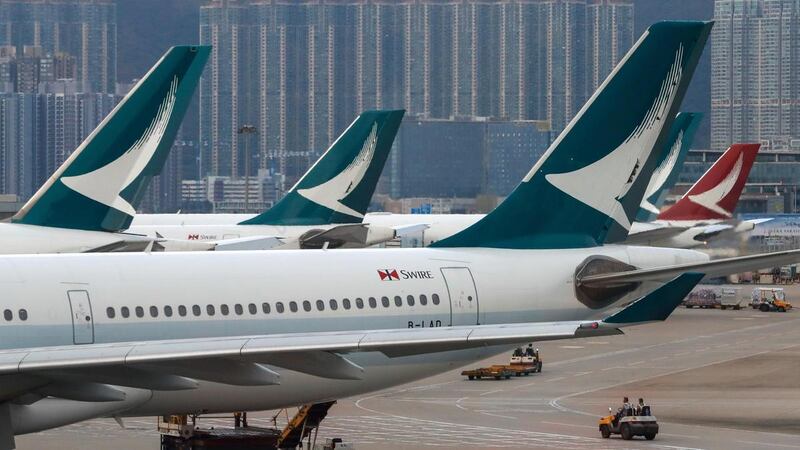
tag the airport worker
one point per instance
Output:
(529, 350)
(518, 351)
(627, 409)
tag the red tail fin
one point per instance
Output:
(716, 193)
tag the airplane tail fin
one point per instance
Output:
(99, 186)
(587, 187)
(716, 193)
(339, 186)
(679, 140)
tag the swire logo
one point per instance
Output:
(388, 275)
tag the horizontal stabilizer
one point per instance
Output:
(659, 304)
(715, 268)
(248, 243)
(405, 230)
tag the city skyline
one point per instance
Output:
(299, 72)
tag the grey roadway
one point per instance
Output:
(715, 379)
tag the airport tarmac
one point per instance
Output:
(715, 379)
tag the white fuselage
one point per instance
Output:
(27, 239)
(440, 226)
(127, 298)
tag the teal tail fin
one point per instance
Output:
(679, 140)
(659, 304)
(339, 186)
(587, 187)
(98, 187)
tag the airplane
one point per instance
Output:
(134, 334)
(325, 207)
(706, 210)
(426, 228)
(85, 204)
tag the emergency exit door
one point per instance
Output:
(463, 295)
(82, 321)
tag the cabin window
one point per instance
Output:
(252, 308)
(125, 312)
(346, 303)
(139, 311)
(398, 301)
(320, 305)
(435, 299)
(110, 312)
(239, 310)
(293, 306)
(265, 307)
(410, 300)
(182, 311)
(168, 311)
(334, 305)
(359, 303)
(423, 299)
(8, 315)
(279, 307)
(153, 311)
(372, 303)
(196, 310)
(385, 302)
(306, 305)
(210, 310)
(23, 314)
(224, 309)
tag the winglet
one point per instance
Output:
(339, 186)
(99, 186)
(659, 304)
(716, 193)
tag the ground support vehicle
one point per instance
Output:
(770, 299)
(629, 426)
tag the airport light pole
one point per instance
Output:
(247, 130)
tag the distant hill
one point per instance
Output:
(698, 98)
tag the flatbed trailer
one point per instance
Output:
(497, 371)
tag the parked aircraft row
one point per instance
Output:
(116, 334)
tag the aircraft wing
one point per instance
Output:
(715, 268)
(90, 372)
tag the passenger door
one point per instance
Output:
(82, 320)
(463, 295)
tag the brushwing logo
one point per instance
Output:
(710, 199)
(388, 275)
(622, 165)
(105, 184)
(661, 174)
(331, 193)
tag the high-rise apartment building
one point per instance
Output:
(38, 132)
(755, 74)
(86, 29)
(300, 71)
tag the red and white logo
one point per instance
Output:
(194, 237)
(388, 275)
